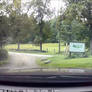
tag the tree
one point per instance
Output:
(21, 26)
(71, 25)
(46, 33)
(40, 11)
(4, 25)
(87, 15)
(4, 30)
(20, 23)
(78, 15)
(84, 14)
(53, 38)
(59, 28)
(73, 31)
(17, 3)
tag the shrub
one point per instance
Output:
(3, 54)
(78, 55)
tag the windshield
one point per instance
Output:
(46, 36)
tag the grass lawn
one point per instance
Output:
(60, 61)
(52, 48)
(3, 62)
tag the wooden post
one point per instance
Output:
(59, 47)
(41, 46)
(18, 48)
(47, 49)
(70, 54)
(54, 51)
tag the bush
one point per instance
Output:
(3, 54)
(78, 55)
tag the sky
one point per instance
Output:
(55, 4)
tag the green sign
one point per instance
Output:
(77, 47)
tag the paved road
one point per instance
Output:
(23, 60)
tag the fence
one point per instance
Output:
(49, 48)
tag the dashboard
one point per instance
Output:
(46, 83)
(39, 89)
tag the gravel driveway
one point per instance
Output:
(22, 60)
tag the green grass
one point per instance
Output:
(60, 61)
(52, 48)
(57, 61)
(4, 62)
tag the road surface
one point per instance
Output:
(22, 60)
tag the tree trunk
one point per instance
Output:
(1, 46)
(91, 46)
(70, 54)
(41, 34)
(59, 47)
(67, 49)
(41, 46)
(91, 39)
(18, 46)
